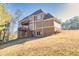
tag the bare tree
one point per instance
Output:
(15, 20)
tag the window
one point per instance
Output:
(38, 33)
(31, 26)
(39, 17)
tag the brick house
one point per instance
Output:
(38, 24)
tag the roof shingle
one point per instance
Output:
(37, 12)
(48, 16)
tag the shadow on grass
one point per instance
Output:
(16, 41)
(20, 41)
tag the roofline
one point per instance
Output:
(54, 20)
(31, 15)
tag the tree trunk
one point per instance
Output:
(3, 38)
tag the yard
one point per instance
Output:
(65, 43)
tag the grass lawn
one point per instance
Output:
(64, 43)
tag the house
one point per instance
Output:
(38, 24)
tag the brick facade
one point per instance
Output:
(38, 26)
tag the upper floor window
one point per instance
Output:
(39, 17)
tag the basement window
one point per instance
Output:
(38, 33)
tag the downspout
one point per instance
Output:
(34, 26)
(42, 26)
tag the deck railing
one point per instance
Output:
(23, 28)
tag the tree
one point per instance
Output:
(75, 22)
(5, 18)
(72, 23)
(15, 20)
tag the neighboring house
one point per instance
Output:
(38, 24)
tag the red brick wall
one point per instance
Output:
(45, 32)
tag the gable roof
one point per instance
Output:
(48, 16)
(37, 12)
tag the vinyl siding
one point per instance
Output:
(57, 26)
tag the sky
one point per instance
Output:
(28, 8)
(63, 11)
